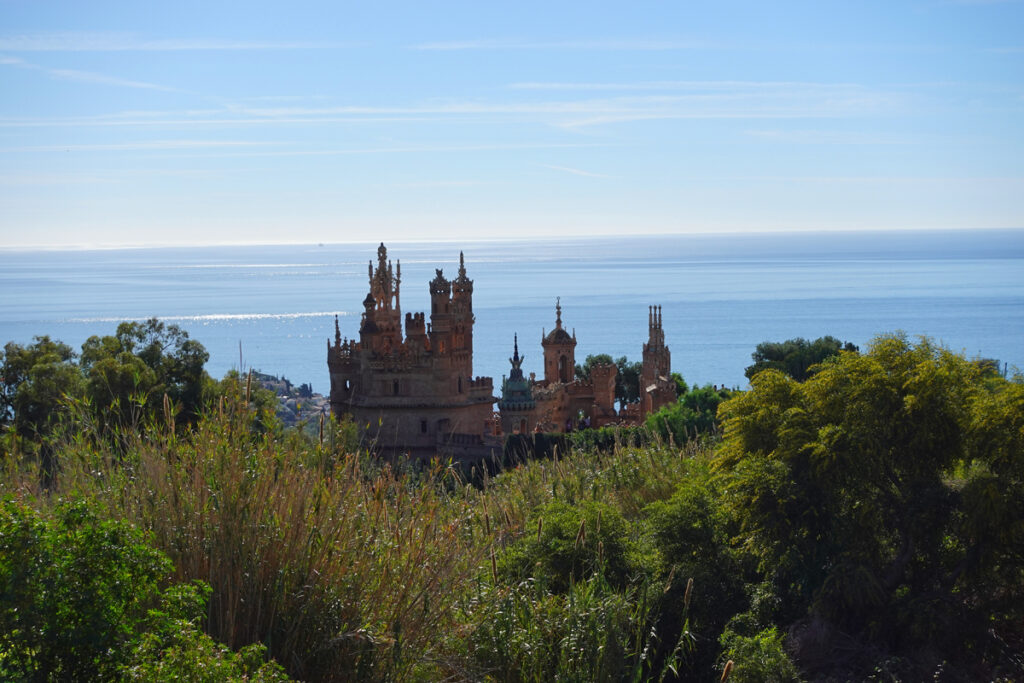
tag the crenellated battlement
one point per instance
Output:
(409, 381)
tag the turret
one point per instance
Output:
(559, 351)
(656, 385)
(440, 314)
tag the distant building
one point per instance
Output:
(561, 402)
(414, 394)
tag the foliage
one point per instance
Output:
(865, 523)
(141, 363)
(694, 414)
(627, 380)
(572, 543)
(867, 494)
(36, 381)
(174, 647)
(82, 601)
(758, 658)
(342, 570)
(591, 633)
(142, 372)
(798, 357)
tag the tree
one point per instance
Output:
(36, 382)
(881, 492)
(696, 412)
(144, 361)
(798, 357)
(627, 380)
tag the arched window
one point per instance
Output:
(563, 369)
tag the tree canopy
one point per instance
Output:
(119, 379)
(797, 358)
(883, 495)
(627, 381)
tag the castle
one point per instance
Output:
(414, 394)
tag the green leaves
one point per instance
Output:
(875, 483)
(797, 358)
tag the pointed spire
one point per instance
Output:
(558, 312)
(337, 332)
(517, 363)
(462, 265)
(398, 286)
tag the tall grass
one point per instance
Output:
(342, 572)
(344, 568)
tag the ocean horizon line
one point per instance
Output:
(574, 238)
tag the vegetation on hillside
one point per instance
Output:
(798, 357)
(863, 524)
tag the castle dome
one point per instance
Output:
(558, 335)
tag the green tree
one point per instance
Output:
(695, 413)
(627, 381)
(797, 358)
(37, 381)
(870, 492)
(140, 363)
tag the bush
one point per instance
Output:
(573, 543)
(82, 601)
(759, 658)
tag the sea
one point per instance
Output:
(273, 308)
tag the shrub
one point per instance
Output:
(82, 601)
(759, 658)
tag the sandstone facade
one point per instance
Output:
(412, 391)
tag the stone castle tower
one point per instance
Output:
(413, 394)
(657, 366)
(559, 352)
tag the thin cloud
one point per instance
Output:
(415, 149)
(111, 42)
(699, 86)
(143, 146)
(824, 137)
(85, 76)
(717, 100)
(595, 45)
(429, 184)
(576, 171)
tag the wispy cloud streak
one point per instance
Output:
(575, 171)
(158, 145)
(111, 42)
(84, 76)
(596, 45)
(676, 100)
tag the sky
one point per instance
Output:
(139, 123)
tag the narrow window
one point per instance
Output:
(395, 387)
(460, 385)
(423, 426)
